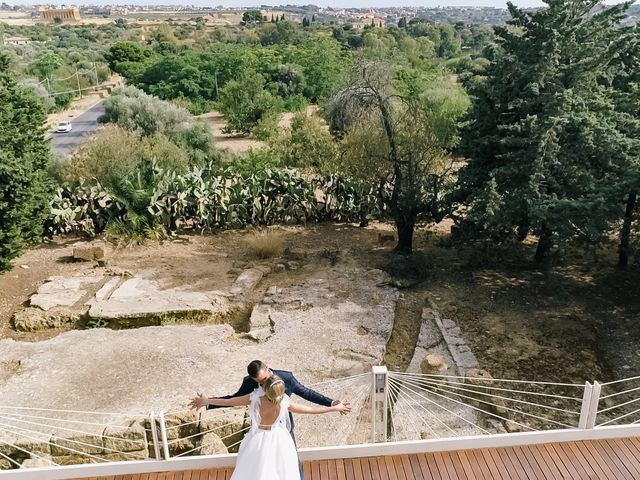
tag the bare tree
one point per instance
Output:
(411, 133)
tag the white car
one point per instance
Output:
(64, 127)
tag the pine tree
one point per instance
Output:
(25, 188)
(546, 141)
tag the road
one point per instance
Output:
(84, 125)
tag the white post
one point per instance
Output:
(154, 435)
(586, 400)
(163, 432)
(379, 405)
(593, 405)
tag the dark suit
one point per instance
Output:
(291, 386)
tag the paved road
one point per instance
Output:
(83, 125)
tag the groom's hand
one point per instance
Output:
(347, 410)
(198, 401)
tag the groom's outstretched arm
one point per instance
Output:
(308, 394)
(245, 389)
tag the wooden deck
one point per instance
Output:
(602, 459)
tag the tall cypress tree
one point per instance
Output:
(545, 139)
(25, 188)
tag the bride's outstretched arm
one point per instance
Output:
(200, 400)
(297, 408)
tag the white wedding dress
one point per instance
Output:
(267, 454)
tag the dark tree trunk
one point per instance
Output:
(623, 250)
(405, 235)
(544, 245)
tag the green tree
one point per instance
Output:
(124, 52)
(404, 122)
(244, 102)
(25, 187)
(46, 64)
(252, 17)
(546, 141)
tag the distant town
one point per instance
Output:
(358, 17)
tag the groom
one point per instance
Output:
(258, 373)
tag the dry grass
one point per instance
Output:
(267, 243)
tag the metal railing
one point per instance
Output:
(387, 407)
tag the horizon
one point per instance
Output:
(322, 4)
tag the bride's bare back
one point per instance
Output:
(269, 412)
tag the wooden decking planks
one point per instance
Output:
(602, 460)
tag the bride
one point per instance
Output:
(267, 451)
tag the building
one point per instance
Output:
(64, 14)
(17, 41)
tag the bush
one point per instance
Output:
(115, 154)
(307, 144)
(245, 102)
(146, 115)
(267, 244)
(25, 187)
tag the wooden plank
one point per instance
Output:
(415, 467)
(340, 468)
(557, 461)
(496, 472)
(476, 456)
(466, 465)
(470, 458)
(571, 461)
(366, 469)
(630, 456)
(440, 464)
(624, 472)
(315, 471)
(453, 458)
(587, 460)
(530, 461)
(375, 469)
(548, 468)
(324, 469)
(306, 470)
(391, 469)
(595, 454)
(623, 454)
(348, 468)
(333, 470)
(607, 461)
(406, 465)
(397, 462)
(423, 461)
(357, 469)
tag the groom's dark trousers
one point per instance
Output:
(292, 387)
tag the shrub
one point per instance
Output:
(147, 116)
(25, 187)
(267, 244)
(115, 154)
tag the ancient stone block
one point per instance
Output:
(211, 444)
(62, 446)
(130, 439)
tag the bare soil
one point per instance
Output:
(578, 323)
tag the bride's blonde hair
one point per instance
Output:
(274, 389)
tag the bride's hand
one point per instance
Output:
(198, 401)
(343, 408)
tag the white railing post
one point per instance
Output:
(163, 432)
(593, 405)
(379, 404)
(154, 435)
(586, 401)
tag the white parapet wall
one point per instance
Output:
(310, 454)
